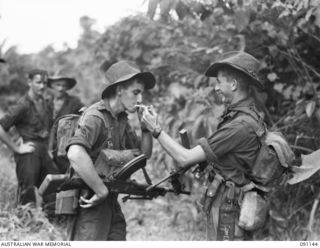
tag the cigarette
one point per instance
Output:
(140, 106)
(143, 106)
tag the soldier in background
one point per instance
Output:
(32, 118)
(63, 104)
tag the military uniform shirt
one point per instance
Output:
(93, 135)
(71, 105)
(31, 122)
(234, 146)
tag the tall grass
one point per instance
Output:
(170, 218)
(20, 222)
(8, 182)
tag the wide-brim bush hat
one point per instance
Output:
(240, 61)
(122, 71)
(70, 82)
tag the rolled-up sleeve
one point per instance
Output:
(14, 115)
(223, 141)
(203, 142)
(87, 132)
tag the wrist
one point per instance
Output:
(103, 192)
(156, 132)
(16, 149)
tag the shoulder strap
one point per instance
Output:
(249, 111)
(95, 112)
(261, 128)
(65, 116)
(99, 114)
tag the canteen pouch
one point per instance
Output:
(67, 202)
(253, 211)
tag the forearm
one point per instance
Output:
(5, 138)
(83, 165)
(182, 155)
(146, 143)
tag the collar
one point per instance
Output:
(102, 105)
(31, 99)
(229, 111)
(246, 102)
(65, 97)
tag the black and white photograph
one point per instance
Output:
(159, 120)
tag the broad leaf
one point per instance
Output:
(310, 107)
(310, 165)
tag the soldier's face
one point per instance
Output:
(38, 84)
(131, 95)
(59, 87)
(225, 87)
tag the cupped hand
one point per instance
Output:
(140, 110)
(93, 201)
(150, 118)
(28, 147)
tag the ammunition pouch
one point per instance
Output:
(254, 207)
(209, 192)
(110, 160)
(67, 202)
(228, 212)
(240, 208)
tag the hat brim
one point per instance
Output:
(71, 82)
(212, 71)
(147, 78)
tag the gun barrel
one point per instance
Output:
(123, 187)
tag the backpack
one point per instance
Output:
(273, 160)
(65, 129)
(66, 126)
(274, 156)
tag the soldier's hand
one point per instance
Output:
(28, 147)
(140, 109)
(150, 118)
(93, 201)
